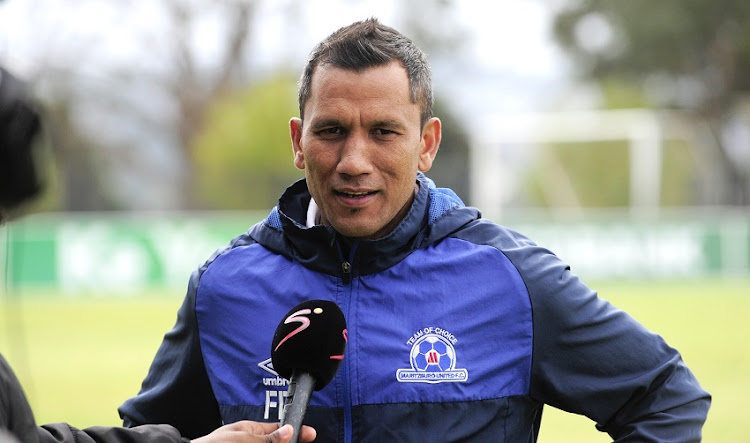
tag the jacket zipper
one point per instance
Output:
(346, 276)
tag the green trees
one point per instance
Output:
(242, 158)
(692, 55)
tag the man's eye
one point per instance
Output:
(380, 132)
(330, 132)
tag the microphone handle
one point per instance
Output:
(298, 397)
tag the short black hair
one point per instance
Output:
(366, 44)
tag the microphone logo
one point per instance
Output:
(311, 337)
(298, 316)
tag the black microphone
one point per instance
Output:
(307, 350)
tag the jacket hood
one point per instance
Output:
(434, 214)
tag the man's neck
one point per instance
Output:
(315, 216)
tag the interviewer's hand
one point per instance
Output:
(254, 432)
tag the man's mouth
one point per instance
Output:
(349, 194)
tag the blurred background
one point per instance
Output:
(615, 133)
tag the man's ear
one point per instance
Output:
(295, 131)
(431, 134)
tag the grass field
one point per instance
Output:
(80, 357)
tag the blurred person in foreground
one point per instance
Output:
(458, 329)
(20, 182)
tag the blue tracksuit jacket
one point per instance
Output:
(459, 330)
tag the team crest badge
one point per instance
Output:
(432, 358)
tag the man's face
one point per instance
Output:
(361, 147)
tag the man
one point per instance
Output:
(458, 329)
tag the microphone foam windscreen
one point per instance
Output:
(311, 338)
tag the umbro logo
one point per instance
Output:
(276, 380)
(267, 365)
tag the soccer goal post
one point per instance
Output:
(640, 128)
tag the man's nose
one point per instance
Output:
(354, 157)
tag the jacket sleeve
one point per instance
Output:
(593, 359)
(64, 433)
(16, 419)
(176, 390)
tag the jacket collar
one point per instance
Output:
(322, 248)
